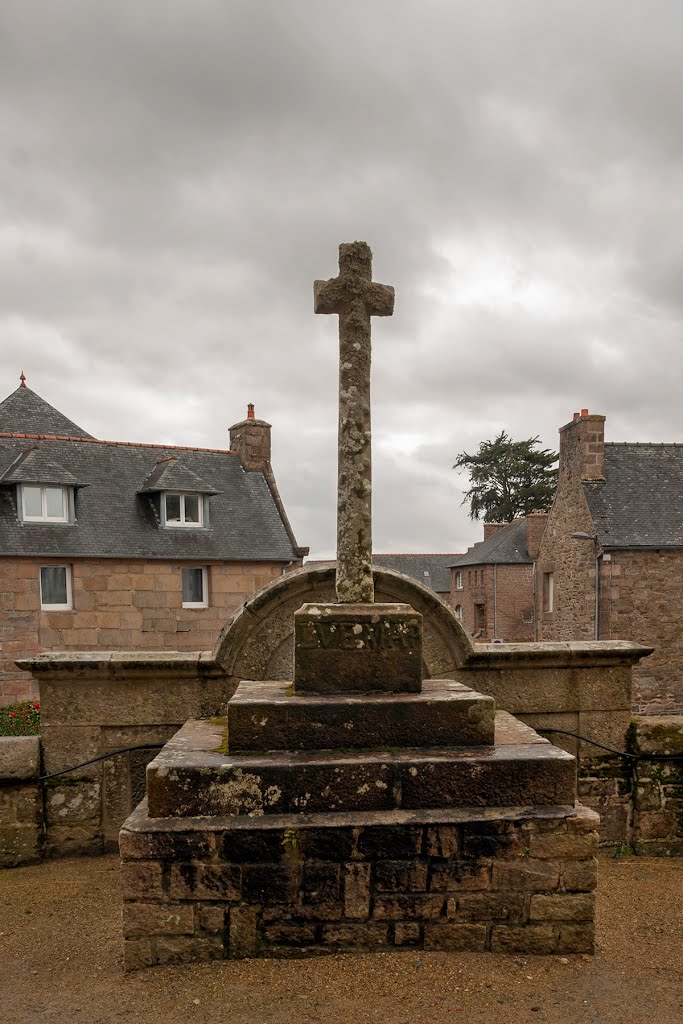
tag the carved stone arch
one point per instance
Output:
(258, 641)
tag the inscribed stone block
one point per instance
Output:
(357, 648)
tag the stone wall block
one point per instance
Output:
(74, 840)
(205, 881)
(19, 844)
(357, 890)
(242, 932)
(455, 876)
(291, 934)
(137, 953)
(492, 906)
(401, 876)
(531, 938)
(211, 918)
(441, 841)
(455, 938)
(526, 875)
(181, 950)
(142, 880)
(407, 934)
(559, 907)
(579, 874)
(19, 757)
(356, 936)
(558, 846)
(408, 907)
(144, 919)
(77, 802)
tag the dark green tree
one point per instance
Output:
(509, 478)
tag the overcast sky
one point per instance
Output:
(174, 175)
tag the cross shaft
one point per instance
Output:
(354, 297)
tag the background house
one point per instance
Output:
(433, 570)
(492, 585)
(610, 563)
(111, 545)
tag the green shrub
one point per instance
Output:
(22, 719)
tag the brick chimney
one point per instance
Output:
(582, 447)
(250, 438)
(491, 528)
(535, 528)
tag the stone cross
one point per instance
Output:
(355, 297)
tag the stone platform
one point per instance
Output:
(192, 775)
(511, 880)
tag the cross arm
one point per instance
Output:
(328, 296)
(380, 300)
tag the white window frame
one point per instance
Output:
(459, 612)
(183, 525)
(43, 517)
(205, 587)
(458, 579)
(69, 595)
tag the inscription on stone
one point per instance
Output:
(355, 636)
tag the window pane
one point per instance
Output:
(32, 506)
(172, 508)
(191, 508)
(193, 586)
(54, 502)
(53, 589)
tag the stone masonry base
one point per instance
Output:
(509, 880)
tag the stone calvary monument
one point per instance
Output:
(361, 805)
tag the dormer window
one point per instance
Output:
(182, 509)
(44, 504)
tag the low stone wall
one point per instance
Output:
(640, 802)
(505, 880)
(21, 802)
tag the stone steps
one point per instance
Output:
(190, 777)
(268, 716)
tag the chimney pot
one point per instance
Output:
(576, 417)
(584, 412)
(250, 411)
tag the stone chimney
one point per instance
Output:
(582, 447)
(250, 438)
(535, 528)
(491, 528)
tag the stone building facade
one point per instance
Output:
(610, 564)
(117, 546)
(492, 585)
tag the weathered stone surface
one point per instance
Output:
(19, 757)
(525, 875)
(267, 716)
(242, 932)
(559, 907)
(191, 777)
(355, 648)
(580, 874)
(78, 802)
(357, 890)
(576, 938)
(212, 918)
(455, 938)
(355, 297)
(205, 881)
(356, 936)
(20, 843)
(157, 919)
(490, 906)
(460, 874)
(407, 934)
(142, 880)
(408, 906)
(182, 950)
(401, 876)
(532, 938)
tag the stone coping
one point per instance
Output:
(579, 654)
(588, 654)
(139, 820)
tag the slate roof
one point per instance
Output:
(640, 502)
(25, 412)
(439, 578)
(34, 466)
(173, 474)
(506, 547)
(113, 519)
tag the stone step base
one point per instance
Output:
(191, 777)
(511, 880)
(268, 716)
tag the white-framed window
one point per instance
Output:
(42, 503)
(458, 580)
(55, 588)
(458, 611)
(195, 587)
(182, 509)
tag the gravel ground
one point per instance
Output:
(61, 961)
